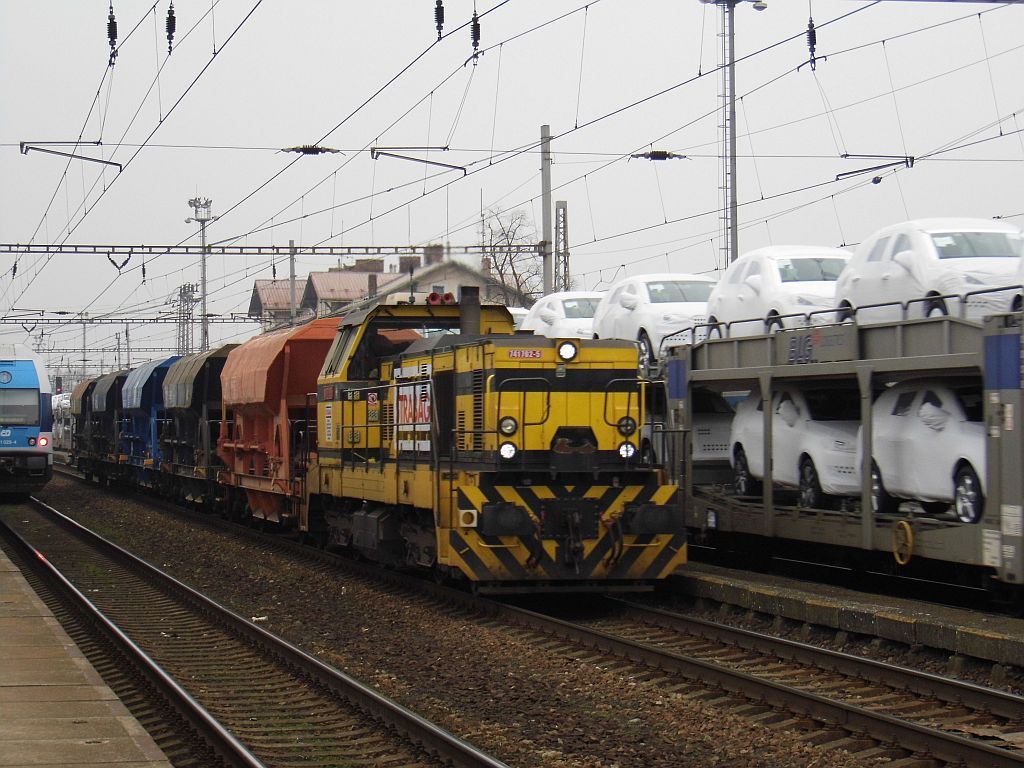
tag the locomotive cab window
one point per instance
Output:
(19, 406)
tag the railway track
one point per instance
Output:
(929, 714)
(842, 702)
(264, 701)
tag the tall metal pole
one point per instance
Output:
(730, 96)
(730, 207)
(291, 281)
(202, 206)
(548, 230)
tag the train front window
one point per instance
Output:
(19, 406)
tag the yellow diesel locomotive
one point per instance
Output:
(511, 461)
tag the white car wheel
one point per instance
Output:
(811, 495)
(935, 308)
(881, 502)
(743, 483)
(646, 352)
(967, 496)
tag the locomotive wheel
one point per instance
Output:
(743, 483)
(967, 497)
(810, 488)
(881, 502)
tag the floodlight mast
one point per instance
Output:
(730, 213)
(202, 206)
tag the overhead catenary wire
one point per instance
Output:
(334, 176)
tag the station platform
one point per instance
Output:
(55, 709)
(974, 633)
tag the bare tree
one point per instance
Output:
(510, 245)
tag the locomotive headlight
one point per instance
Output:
(31, 441)
(567, 351)
(508, 426)
(507, 451)
(626, 426)
(44, 441)
(627, 450)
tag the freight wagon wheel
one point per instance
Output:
(967, 497)
(881, 502)
(743, 483)
(810, 488)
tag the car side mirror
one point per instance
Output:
(548, 317)
(754, 282)
(906, 260)
(628, 300)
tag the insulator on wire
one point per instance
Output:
(474, 31)
(439, 17)
(112, 34)
(143, 273)
(171, 23)
(812, 40)
(14, 270)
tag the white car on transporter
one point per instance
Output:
(928, 445)
(563, 315)
(814, 443)
(647, 308)
(926, 259)
(776, 287)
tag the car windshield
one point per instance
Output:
(833, 404)
(966, 245)
(809, 269)
(669, 291)
(576, 309)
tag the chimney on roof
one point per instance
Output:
(408, 263)
(434, 254)
(371, 285)
(369, 265)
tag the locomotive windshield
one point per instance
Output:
(19, 406)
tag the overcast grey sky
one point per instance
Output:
(611, 77)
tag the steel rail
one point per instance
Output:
(922, 683)
(429, 736)
(226, 745)
(945, 746)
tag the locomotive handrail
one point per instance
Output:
(523, 422)
(629, 400)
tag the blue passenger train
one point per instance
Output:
(26, 422)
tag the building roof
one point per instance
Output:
(342, 286)
(273, 296)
